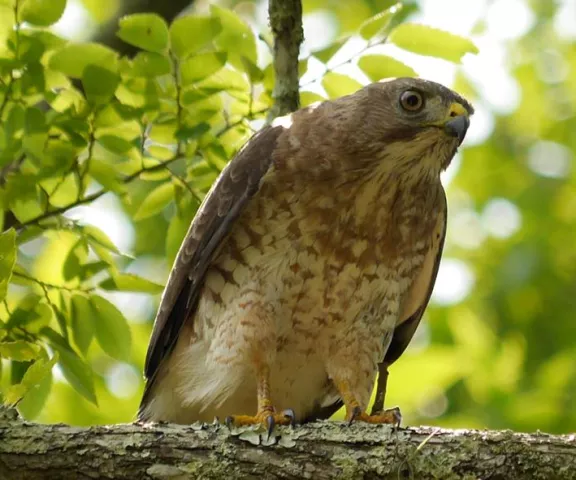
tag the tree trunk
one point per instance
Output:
(322, 450)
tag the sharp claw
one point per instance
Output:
(270, 422)
(397, 417)
(289, 413)
(355, 414)
(229, 421)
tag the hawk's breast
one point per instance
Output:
(301, 269)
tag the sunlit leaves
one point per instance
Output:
(144, 30)
(99, 84)
(189, 34)
(7, 259)
(75, 370)
(111, 328)
(149, 64)
(41, 13)
(377, 67)
(19, 350)
(73, 58)
(129, 282)
(378, 23)
(156, 201)
(431, 41)
(35, 374)
(337, 85)
(201, 66)
(236, 37)
(325, 54)
(83, 321)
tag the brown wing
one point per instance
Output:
(238, 182)
(418, 299)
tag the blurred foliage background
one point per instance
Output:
(105, 156)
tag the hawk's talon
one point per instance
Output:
(356, 412)
(266, 417)
(271, 424)
(289, 414)
(392, 416)
(229, 421)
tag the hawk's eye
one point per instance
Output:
(412, 101)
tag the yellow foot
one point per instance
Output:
(266, 417)
(391, 416)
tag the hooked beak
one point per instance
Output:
(457, 122)
(457, 127)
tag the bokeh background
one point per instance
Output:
(497, 347)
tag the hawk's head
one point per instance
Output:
(414, 123)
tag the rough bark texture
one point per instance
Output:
(323, 450)
(286, 24)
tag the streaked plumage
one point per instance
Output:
(312, 259)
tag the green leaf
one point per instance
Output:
(191, 33)
(30, 314)
(308, 98)
(31, 405)
(198, 67)
(7, 259)
(430, 41)
(376, 24)
(254, 73)
(145, 30)
(97, 236)
(105, 174)
(41, 13)
(19, 350)
(149, 64)
(83, 320)
(112, 330)
(37, 372)
(35, 134)
(115, 144)
(99, 84)
(226, 79)
(73, 58)
(337, 85)
(156, 201)
(328, 52)
(235, 38)
(186, 134)
(377, 67)
(78, 373)
(92, 268)
(128, 282)
(74, 260)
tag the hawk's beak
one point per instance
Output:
(457, 123)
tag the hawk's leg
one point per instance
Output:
(381, 384)
(266, 414)
(354, 411)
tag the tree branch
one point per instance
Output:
(322, 450)
(286, 24)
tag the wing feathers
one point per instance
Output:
(238, 182)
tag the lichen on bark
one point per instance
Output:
(286, 25)
(321, 450)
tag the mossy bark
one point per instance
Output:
(322, 450)
(286, 25)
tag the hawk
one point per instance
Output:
(309, 264)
